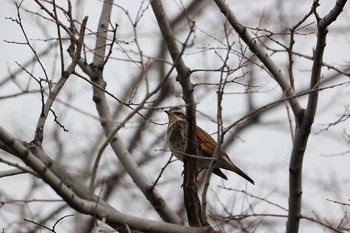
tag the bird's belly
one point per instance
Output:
(202, 162)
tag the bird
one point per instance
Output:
(176, 138)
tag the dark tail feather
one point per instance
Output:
(218, 172)
(245, 176)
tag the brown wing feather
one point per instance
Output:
(208, 144)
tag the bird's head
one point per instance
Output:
(175, 114)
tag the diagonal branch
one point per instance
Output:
(53, 94)
(276, 73)
(95, 71)
(78, 196)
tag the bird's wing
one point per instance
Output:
(208, 144)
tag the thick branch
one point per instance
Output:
(192, 203)
(78, 196)
(303, 132)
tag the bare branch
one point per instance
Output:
(53, 94)
(117, 144)
(192, 202)
(303, 132)
(78, 196)
(264, 58)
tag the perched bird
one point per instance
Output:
(205, 143)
